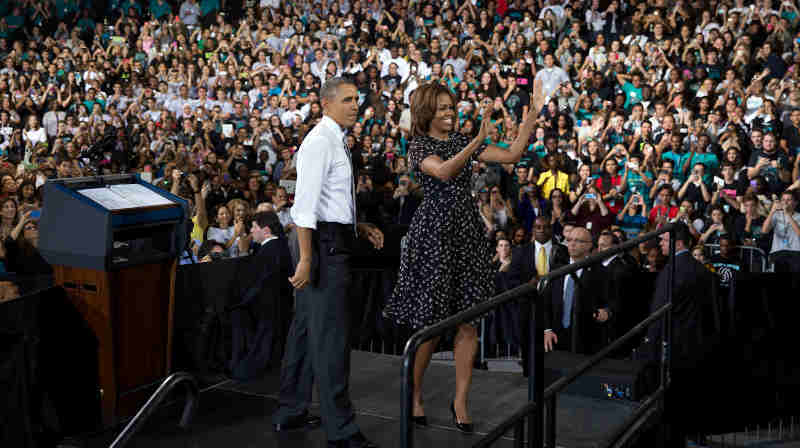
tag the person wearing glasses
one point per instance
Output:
(574, 304)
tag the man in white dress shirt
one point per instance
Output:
(551, 75)
(318, 346)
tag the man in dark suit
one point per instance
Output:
(265, 299)
(625, 301)
(528, 263)
(574, 304)
(692, 298)
(694, 326)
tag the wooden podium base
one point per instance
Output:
(131, 314)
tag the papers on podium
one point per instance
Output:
(125, 196)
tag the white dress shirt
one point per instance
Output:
(548, 246)
(324, 178)
(267, 240)
(551, 78)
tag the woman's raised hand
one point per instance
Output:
(487, 127)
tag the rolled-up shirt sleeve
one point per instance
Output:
(313, 162)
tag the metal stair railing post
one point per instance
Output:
(536, 373)
(158, 396)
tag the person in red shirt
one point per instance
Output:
(608, 185)
(663, 210)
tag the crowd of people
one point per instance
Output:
(654, 111)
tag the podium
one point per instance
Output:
(113, 242)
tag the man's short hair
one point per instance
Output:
(614, 238)
(269, 219)
(683, 234)
(791, 193)
(666, 187)
(331, 87)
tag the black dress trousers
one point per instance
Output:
(318, 346)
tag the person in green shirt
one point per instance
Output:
(700, 154)
(85, 23)
(636, 178)
(65, 8)
(208, 9)
(632, 89)
(160, 9)
(676, 154)
(128, 4)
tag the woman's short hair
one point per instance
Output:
(424, 105)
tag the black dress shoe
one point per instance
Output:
(467, 428)
(357, 440)
(302, 421)
(420, 420)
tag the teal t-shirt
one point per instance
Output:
(86, 24)
(633, 95)
(159, 11)
(632, 225)
(710, 161)
(676, 162)
(636, 184)
(65, 8)
(208, 6)
(127, 4)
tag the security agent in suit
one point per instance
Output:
(318, 347)
(528, 263)
(620, 276)
(695, 330)
(575, 304)
(265, 299)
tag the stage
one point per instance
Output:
(233, 414)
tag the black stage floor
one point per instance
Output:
(232, 414)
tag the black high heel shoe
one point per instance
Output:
(466, 428)
(420, 420)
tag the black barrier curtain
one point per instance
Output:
(204, 293)
(48, 371)
(752, 373)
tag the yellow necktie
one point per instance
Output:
(541, 262)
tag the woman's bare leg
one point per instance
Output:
(466, 344)
(420, 364)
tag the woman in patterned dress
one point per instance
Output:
(446, 265)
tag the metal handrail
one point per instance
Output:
(534, 409)
(765, 266)
(158, 396)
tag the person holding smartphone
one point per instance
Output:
(21, 247)
(590, 211)
(633, 217)
(785, 221)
